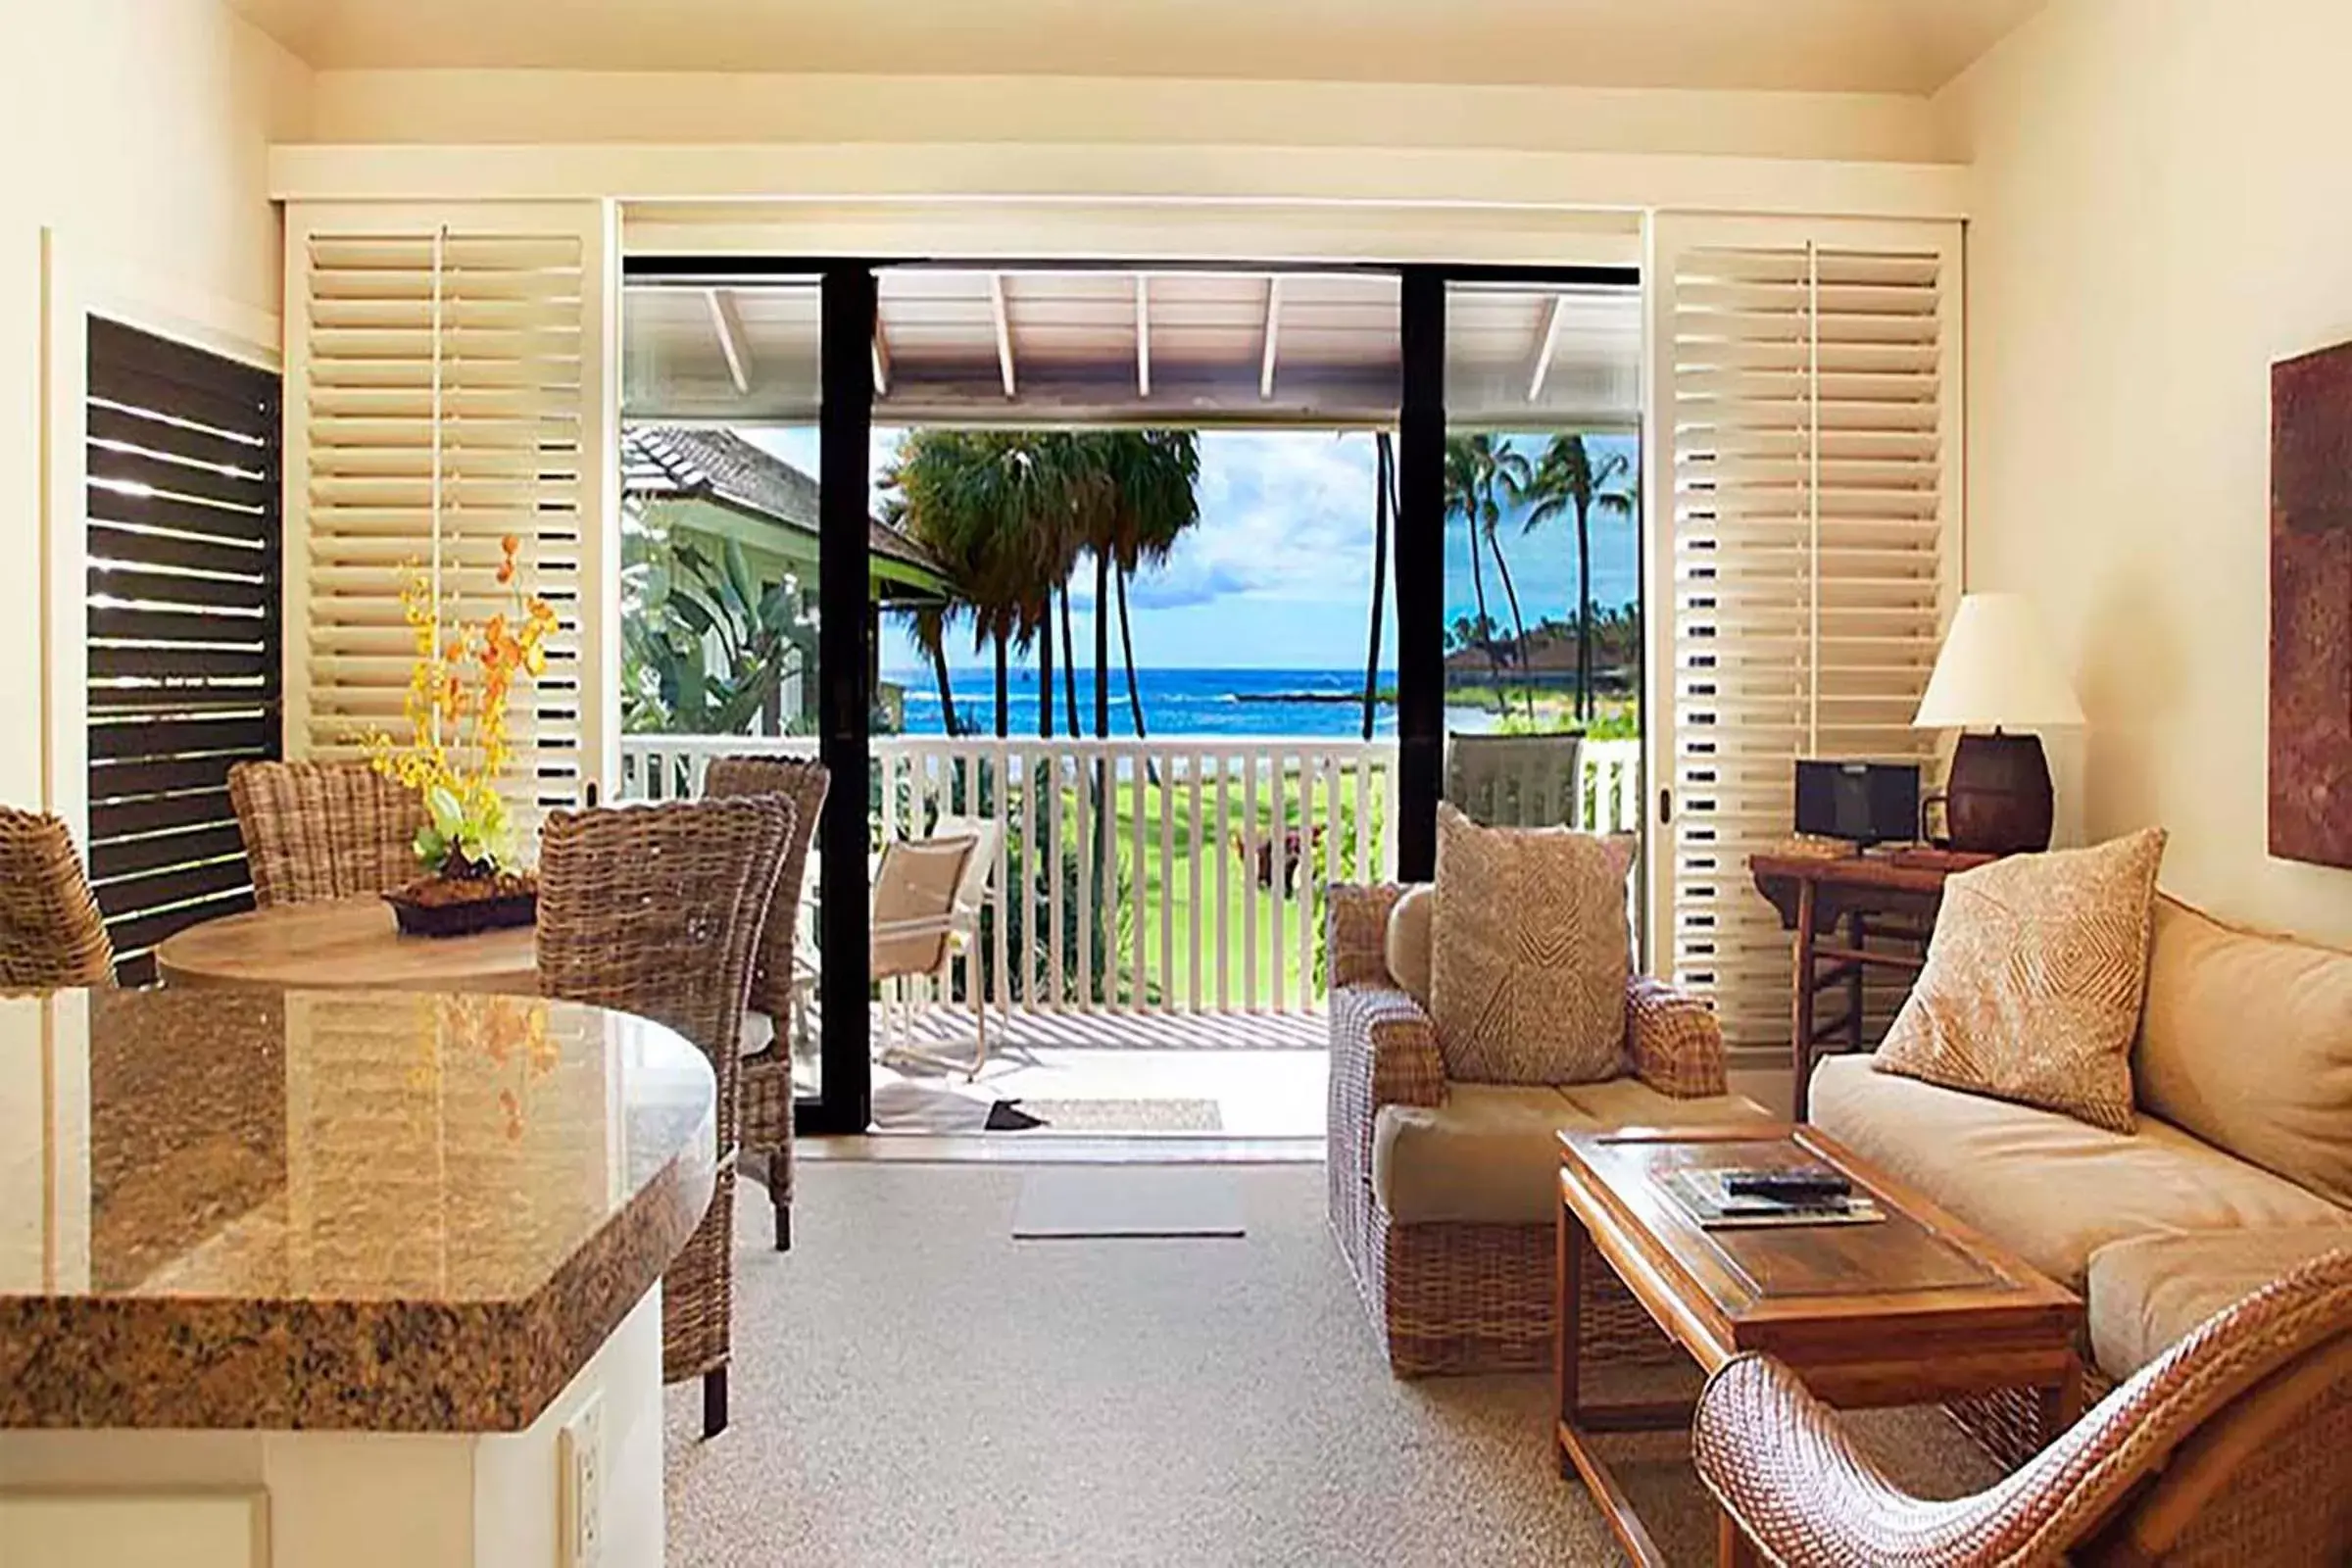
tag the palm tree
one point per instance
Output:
(1481, 471)
(1566, 481)
(1147, 496)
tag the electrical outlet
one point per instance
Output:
(580, 1486)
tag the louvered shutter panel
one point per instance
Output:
(1808, 376)
(447, 385)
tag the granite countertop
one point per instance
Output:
(362, 1211)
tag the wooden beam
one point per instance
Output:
(1553, 315)
(996, 305)
(1266, 364)
(727, 321)
(881, 359)
(1142, 335)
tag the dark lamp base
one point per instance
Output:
(1997, 796)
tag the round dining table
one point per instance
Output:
(345, 944)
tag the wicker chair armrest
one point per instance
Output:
(1780, 1464)
(1673, 1040)
(1358, 933)
(1382, 1040)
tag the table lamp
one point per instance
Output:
(1996, 674)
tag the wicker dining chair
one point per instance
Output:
(656, 910)
(766, 1073)
(324, 830)
(2233, 1447)
(51, 933)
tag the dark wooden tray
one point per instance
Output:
(508, 903)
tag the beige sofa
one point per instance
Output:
(2241, 1167)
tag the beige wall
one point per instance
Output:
(137, 132)
(580, 107)
(2162, 206)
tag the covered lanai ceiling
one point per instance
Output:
(1188, 346)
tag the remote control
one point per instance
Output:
(1789, 1186)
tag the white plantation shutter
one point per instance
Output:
(1807, 378)
(446, 382)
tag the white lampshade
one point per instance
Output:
(1996, 671)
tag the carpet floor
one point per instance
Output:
(912, 1386)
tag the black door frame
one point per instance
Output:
(845, 434)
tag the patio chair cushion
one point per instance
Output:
(2148, 1291)
(2034, 979)
(2053, 1187)
(1491, 1154)
(1407, 947)
(1530, 950)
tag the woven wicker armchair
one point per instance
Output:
(2233, 1447)
(1461, 1295)
(656, 910)
(315, 831)
(766, 1073)
(51, 934)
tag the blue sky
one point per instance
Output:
(1278, 574)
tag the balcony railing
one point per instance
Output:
(1179, 875)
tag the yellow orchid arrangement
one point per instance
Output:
(456, 711)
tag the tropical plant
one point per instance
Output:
(1569, 481)
(456, 709)
(1483, 472)
(705, 647)
(1010, 513)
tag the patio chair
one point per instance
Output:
(51, 933)
(964, 936)
(765, 1077)
(1515, 780)
(2233, 1447)
(656, 910)
(917, 886)
(315, 831)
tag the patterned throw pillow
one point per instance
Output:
(1529, 954)
(2033, 980)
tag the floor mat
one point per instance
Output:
(1073, 1201)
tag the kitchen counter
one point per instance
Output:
(347, 1211)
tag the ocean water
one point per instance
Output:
(1176, 702)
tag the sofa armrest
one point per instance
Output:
(1383, 1052)
(1673, 1040)
(1356, 934)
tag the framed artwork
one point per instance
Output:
(2311, 607)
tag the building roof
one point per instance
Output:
(684, 463)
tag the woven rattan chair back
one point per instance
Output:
(51, 934)
(324, 830)
(656, 910)
(803, 781)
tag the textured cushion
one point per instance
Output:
(2246, 1040)
(1530, 950)
(2147, 1292)
(2033, 978)
(2046, 1184)
(1409, 941)
(1491, 1154)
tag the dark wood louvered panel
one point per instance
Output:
(185, 643)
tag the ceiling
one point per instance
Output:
(1901, 46)
(1215, 347)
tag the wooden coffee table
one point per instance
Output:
(1915, 1308)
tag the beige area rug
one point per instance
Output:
(912, 1386)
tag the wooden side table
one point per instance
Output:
(1851, 915)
